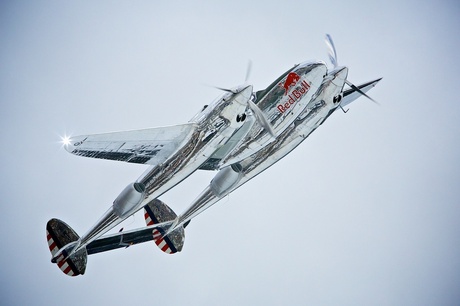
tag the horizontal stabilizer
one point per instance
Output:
(148, 146)
(124, 239)
(61, 236)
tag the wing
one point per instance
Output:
(351, 95)
(147, 146)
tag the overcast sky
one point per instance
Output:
(365, 212)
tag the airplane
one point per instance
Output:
(238, 135)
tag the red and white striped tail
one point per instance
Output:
(62, 264)
(156, 212)
(60, 235)
(51, 244)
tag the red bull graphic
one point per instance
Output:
(291, 81)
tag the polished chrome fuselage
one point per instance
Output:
(282, 102)
(323, 103)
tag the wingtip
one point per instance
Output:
(70, 143)
(375, 82)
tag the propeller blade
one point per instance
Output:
(225, 89)
(331, 50)
(248, 71)
(261, 118)
(233, 91)
(360, 91)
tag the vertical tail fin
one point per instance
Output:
(157, 212)
(61, 241)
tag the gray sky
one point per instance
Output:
(365, 212)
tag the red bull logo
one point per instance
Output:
(296, 94)
(291, 80)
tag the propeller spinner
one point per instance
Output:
(333, 58)
(257, 112)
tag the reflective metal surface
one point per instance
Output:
(282, 102)
(213, 130)
(214, 126)
(321, 106)
(240, 134)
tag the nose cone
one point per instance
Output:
(339, 75)
(244, 94)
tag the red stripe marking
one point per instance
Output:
(67, 270)
(52, 246)
(60, 263)
(48, 236)
(147, 216)
(150, 223)
(165, 247)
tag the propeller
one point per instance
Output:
(333, 58)
(260, 117)
(331, 50)
(248, 71)
(234, 90)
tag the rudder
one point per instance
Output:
(59, 236)
(157, 212)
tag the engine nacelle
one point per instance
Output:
(225, 179)
(129, 199)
